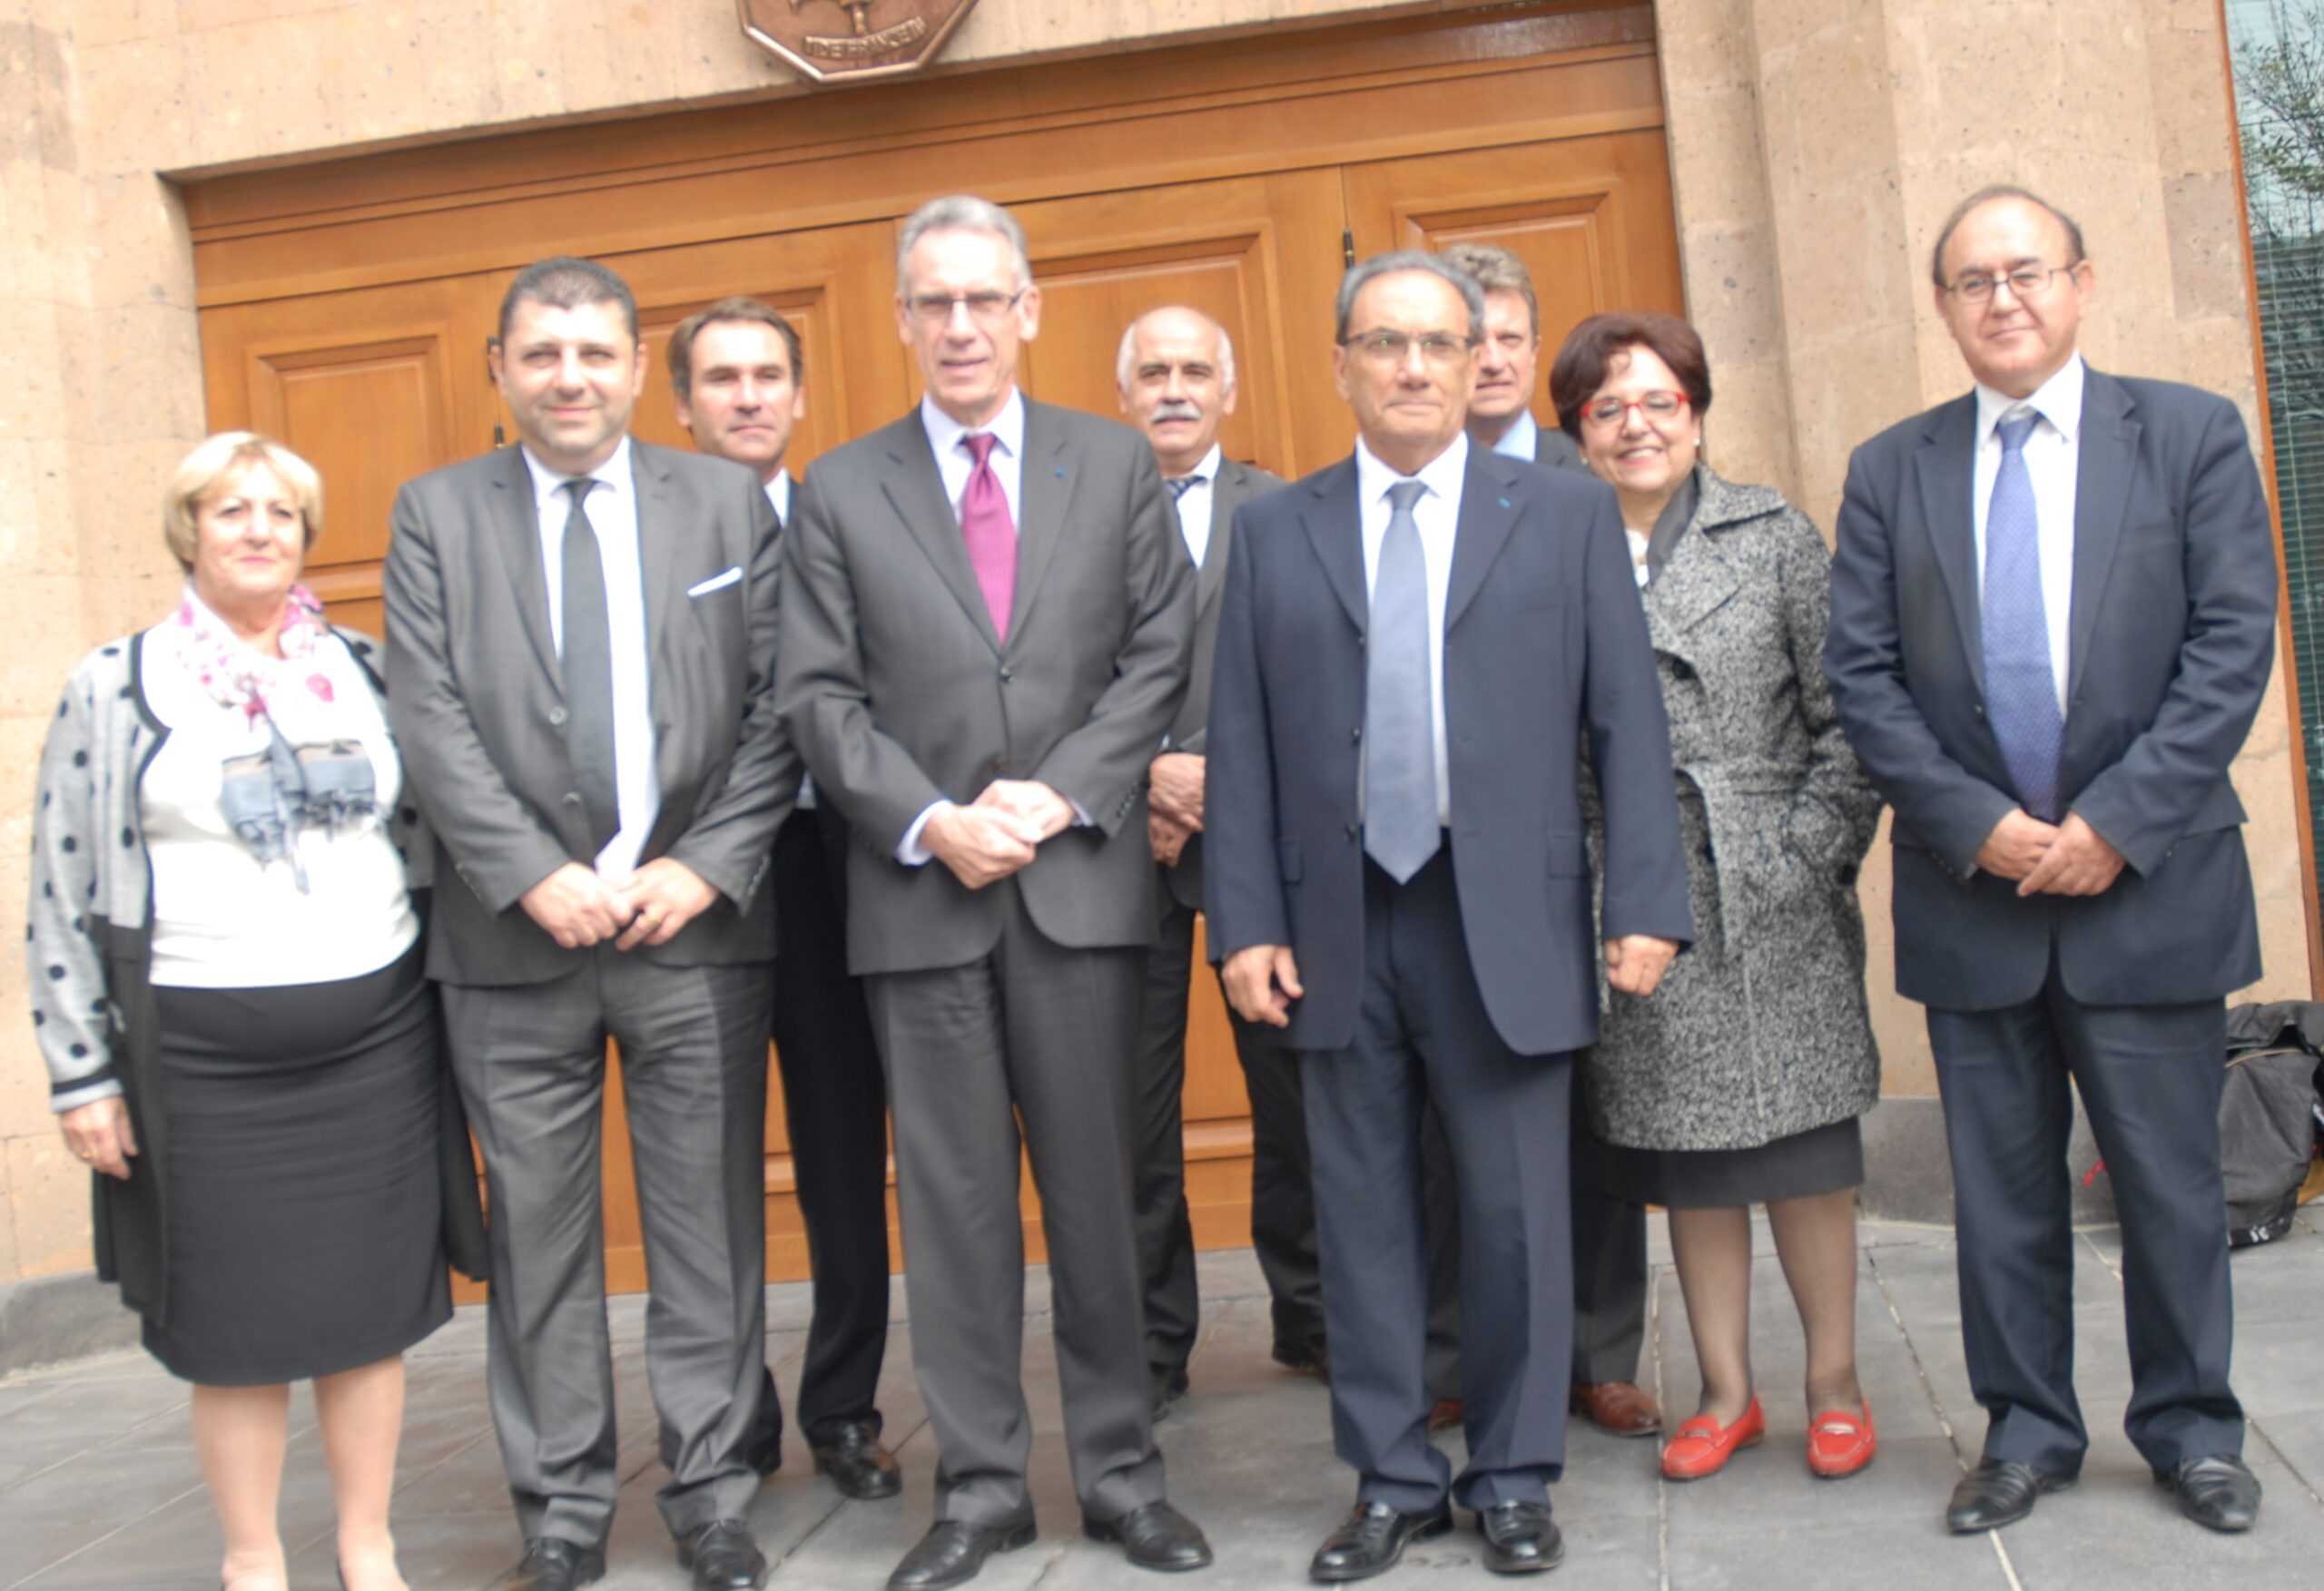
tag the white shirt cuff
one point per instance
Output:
(909, 850)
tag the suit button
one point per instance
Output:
(1356, 734)
(1007, 673)
(572, 797)
(556, 717)
(1978, 708)
(1000, 765)
(1351, 831)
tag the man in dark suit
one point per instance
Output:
(987, 619)
(738, 373)
(1176, 376)
(1609, 1233)
(2053, 614)
(1398, 879)
(581, 654)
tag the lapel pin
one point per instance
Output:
(1060, 472)
(1504, 502)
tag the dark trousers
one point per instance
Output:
(837, 1110)
(1282, 1201)
(531, 1064)
(1037, 1036)
(1422, 1037)
(2149, 1078)
(1609, 1262)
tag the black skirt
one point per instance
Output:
(305, 1207)
(1821, 1159)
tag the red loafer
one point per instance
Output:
(1841, 1443)
(1700, 1447)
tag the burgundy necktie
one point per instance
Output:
(990, 534)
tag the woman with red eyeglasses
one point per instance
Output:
(1741, 1079)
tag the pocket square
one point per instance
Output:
(716, 583)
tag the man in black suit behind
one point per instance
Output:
(738, 374)
(2052, 615)
(1398, 879)
(1176, 374)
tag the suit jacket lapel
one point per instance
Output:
(2109, 440)
(661, 529)
(518, 532)
(916, 492)
(1946, 467)
(1489, 494)
(1228, 492)
(1045, 481)
(1336, 528)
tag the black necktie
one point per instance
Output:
(588, 673)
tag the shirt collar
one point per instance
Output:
(1008, 427)
(547, 482)
(778, 494)
(2057, 400)
(1522, 439)
(1208, 470)
(1442, 475)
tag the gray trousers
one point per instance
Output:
(1037, 1033)
(531, 1064)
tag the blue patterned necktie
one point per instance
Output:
(1400, 826)
(2021, 691)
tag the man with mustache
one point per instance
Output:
(1176, 376)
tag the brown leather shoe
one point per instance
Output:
(1616, 1406)
(1447, 1415)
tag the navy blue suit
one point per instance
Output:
(2171, 632)
(1470, 984)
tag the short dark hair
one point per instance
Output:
(567, 282)
(737, 309)
(1401, 259)
(2074, 252)
(1589, 351)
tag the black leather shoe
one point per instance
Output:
(1155, 1536)
(1997, 1492)
(723, 1557)
(1164, 1387)
(1304, 1356)
(2216, 1491)
(952, 1552)
(551, 1563)
(1370, 1540)
(1521, 1538)
(851, 1454)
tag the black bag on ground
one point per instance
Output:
(2270, 1115)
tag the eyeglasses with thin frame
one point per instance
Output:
(1658, 405)
(1392, 349)
(2026, 281)
(989, 304)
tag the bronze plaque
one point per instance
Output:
(835, 40)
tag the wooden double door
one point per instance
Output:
(345, 308)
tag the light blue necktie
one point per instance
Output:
(2021, 691)
(1400, 826)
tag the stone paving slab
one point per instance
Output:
(99, 1488)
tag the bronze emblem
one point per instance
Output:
(829, 40)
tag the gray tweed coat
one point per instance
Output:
(1760, 1030)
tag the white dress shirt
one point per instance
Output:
(1195, 505)
(1438, 515)
(2053, 460)
(1521, 440)
(611, 510)
(955, 463)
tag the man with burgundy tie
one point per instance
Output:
(987, 617)
(2052, 615)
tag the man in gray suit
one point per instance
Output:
(2054, 607)
(1609, 1233)
(1176, 376)
(987, 617)
(581, 650)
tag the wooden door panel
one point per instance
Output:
(1590, 217)
(1250, 251)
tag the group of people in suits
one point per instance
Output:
(1519, 773)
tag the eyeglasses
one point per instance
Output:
(1393, 348)
(1609, 411)
(2027, 282)
(937, 307)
